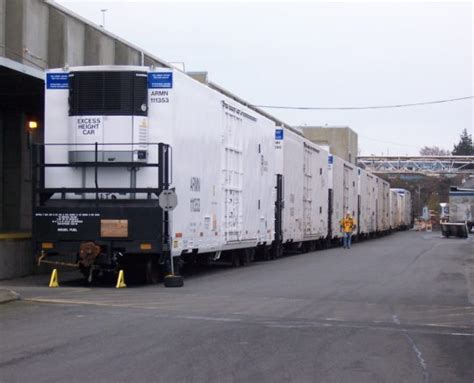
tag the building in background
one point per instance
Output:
(341, 141)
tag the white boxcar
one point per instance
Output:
(226, 148)
(404, 203)
(223, 157)
(343, 183)
(407, 219)
(383, 205)
(305, 187)
(394, 210)
(367, 202)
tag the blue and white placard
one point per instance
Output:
(57, 80)
(160, 80)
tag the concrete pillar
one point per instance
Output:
(24, 223)
(35, 32)
(99, 49)
(152, 62)
(124, 55)
(2, 27)
(74, 42)
(16, 258)
(12, 170)
(2, 150)
(56, 39)
(14, 30)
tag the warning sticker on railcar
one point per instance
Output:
(160, 80)
(195, 205)
(89, 126)
(57, 81)
(66, 222)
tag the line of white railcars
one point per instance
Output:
(246, 184)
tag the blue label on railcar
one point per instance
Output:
(57, 80)
(330, 160)
(278, 134)
(160, 80)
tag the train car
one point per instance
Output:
(116, 137)
(343, 195)
(302, 165)
(143, 169)
(383, 206)
(408, 210)
(367, 190)
(395, 220)
(404, 207)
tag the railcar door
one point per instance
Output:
(345, 190)
(233, 178)
(307, 191)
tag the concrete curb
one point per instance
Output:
(7, 295)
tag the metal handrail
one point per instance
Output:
(163, 151)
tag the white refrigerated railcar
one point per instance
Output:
(116, 137)
(305, 183)
(343, 187)
(404, 208)
(383, 205)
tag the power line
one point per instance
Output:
(365, 107)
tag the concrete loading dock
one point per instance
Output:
(36, 35)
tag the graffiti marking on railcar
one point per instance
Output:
(263, 165)
(195, 184)
(195, 205)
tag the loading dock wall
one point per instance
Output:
(36, 35)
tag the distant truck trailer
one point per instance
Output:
(461, 205)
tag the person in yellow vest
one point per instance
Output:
(347, 227)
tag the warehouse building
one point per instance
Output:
(36, 35)
(341, 141)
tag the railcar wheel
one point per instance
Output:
(236, 262)
(247, 256)
(174, 281)
(152, 272)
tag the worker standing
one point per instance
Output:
(347, 227)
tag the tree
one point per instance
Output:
(465, 146)
(434, 151)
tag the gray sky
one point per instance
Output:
(321, 54)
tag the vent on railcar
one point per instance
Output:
(110, 109)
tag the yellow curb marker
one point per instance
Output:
(53, 282)
(121, 280)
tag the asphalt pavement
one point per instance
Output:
(394, 309)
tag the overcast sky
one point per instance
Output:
(323, 55)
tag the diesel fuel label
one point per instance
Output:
(67, 222)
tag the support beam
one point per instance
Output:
(427, 165)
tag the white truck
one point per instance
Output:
(461, 211)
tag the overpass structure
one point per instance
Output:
(425, 165)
